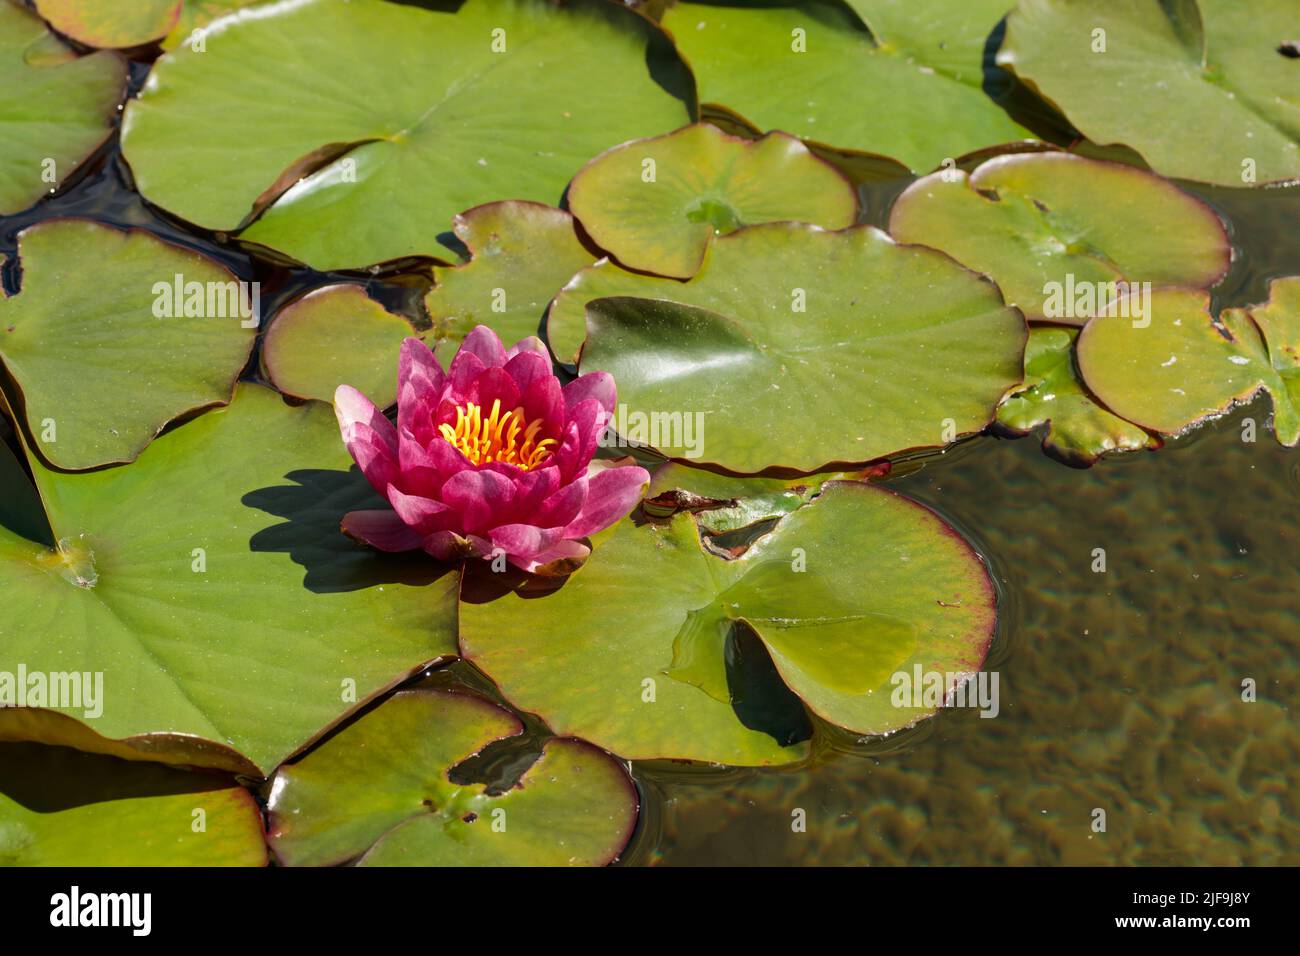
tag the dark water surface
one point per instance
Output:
(1119, 691)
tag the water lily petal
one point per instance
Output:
(534, 487)
(424, 515)
(420, 384)
(611, 494)
(597, 385)
(566, 550)
(505, 470)
(370, 438)
(482, 497)
(484, 343)
(586, 423)
(530, 344)
(563, 506)
(424, 467)
(381, 529)
(450, 546)
(465, 368)
(527, 367)
(495, 384)
(544, 399)
(523, 542)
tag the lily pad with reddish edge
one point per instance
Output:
(335, 335)
(1160, 77)
(718, 660)
(209, 583)
(1186, 367)
(1079, 429)
(800, 349)
(56, 108)
(307, 124)
(655, 204)
(102, 348)
(384, 791)
(521, 255)
(59, 807)
(815, 71)
(1054, 222)
(111, 23)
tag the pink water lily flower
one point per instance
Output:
(493, 457)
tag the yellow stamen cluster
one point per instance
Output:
(497, 437)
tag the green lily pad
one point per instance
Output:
(111, 23)
(805, 67)
(1046, 223)
(951, 38)
(1079, 430)
(197, 14)
(896, 348)
(1121, 70)
(209, 584)
(55, 108)
(655, 204)
(522, 255)
(382, 791)
(59, 807)
(725, 503)
(439, 112)
(100, 369)
(848, 591)
(335, 335)
(1186, 367)
(1279, 320)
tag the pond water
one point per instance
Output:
(1119, 691)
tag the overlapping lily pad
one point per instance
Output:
(1080, 431)
(1122, 71)
(725, 503)
(799, 348)
(210, 586)
(335, 335)
(522, 254)
(197, 14)
(951, 38)
(805, 68)
(1043, 225)
(655, 204)
(383, 791)
(55, 108)
(849, 590)
(103, 348)
(111, 23)
(59, 807)
(326, 115)
(1186, 367)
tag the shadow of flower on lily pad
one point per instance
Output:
(310, 535)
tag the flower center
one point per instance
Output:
(497, 437)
